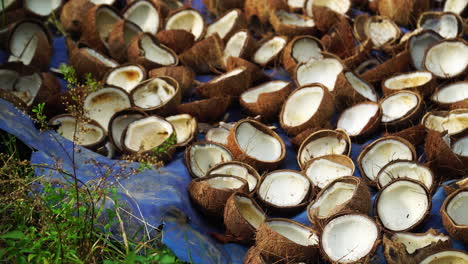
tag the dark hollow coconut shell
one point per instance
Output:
(176, 39)
(425, 89)
(459, 232)
(136, 52)
(209, 200)
(360, 202)
(395, 252)
(410, 118)
(182, 74)
(207, 110)
(398, 63)
(83, 62)
(289, 62)
(403, 12)
(224, 85)
(370, 127)
(359, 26)
(120, 38)
(240, 155)
(276, 248)
(323, 113)
(72, 17)
(122, 114)
(256, 74)
(205, 55)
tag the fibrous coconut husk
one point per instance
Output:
(83, 62)
(253, 256)
(325, 18)
(207, 110)
(398, 63)
(218, 7)
(176, 39)
(338, 39)
(291, 30)
(221, 86)
(403, 12)
(262, 9)
(457, 231)
(205, 55)
(256, 74)
(182, 74)
(414, 134)
(72, 15)
(117, 42)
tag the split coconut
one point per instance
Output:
(291, 24)
(126, 76)
(100, 20)
(454, 215)
(149, 53)
(177, 40)
(208, 110)
(227, 24)
(381, 31)
(447, 25)
(231, 83)
(325, 169)
(301, 49)
(119, 122)
(360, 120)
(362, 90)
(401, 109)
(418, 45)
(144, 14)
(456, 6)
(269, 50)
(120, 39)
(450, 94)
(408, 170)
(240, 45)
(447, 59)
(220, 133)
(205, 56)
(446, 256)
(185, 127)
(238, 169)
(182, 74)
(86, 60)
(419, 81)
(187, 19)
(200, 157)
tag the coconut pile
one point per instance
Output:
(352, 78)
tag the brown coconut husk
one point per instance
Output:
(359, 27)
(452, 187)
(360, 202)
(211, 201)
(288, 29)
(403, 12)
(239, 24)
(72, 17)
(262, 9)
(459, 105)
(117, 42)
(253, 256)
(15, 100)
(459, 232)
(324, 112)
(414, 134)
(425, 90)
(176, 39)
(256, 74)
(240, 155)
(50, 86)
(325, 18)
(354, 97)
(182, 74)
(12, 17)
(338, 39)
(410, 118)
(398, 63)
(136, 53)
(299, 138)
(232, 85)
(204, 56)
(84, 63)
(219, 7)
(395, 252)
(289, 62)
(207, 110)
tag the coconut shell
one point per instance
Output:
(459, 232)
(204, 56)
(268, 104)
(211, 201)
(288, 29)
(252, 171)
(182, 74)
(207, 110)
(396, 253)
(454, 186)
(249, 47)
(398, 63)
(299, 138)
(125, 112)
(188, 164)
(236, 225)
(425, 90)
(452, 106)
(360, 25)
(117, 43)
(344, 93)
(240, 155)
(360, 202)
(12, 17)
(231, 86)
(338, 39)
(84, 63)
(335, 158)
(442, 114)
(176, 39)
(136, 53)
(262, 9)
(50, 86)
(352, 96)
(459, 105)
(71, 16)
(276, 58)
(185, 9)
(289, 62)
(239, 23)
(403, 12)
(324, 17)
(409, 118)
(129, 75)
(219, 7)
(256, 74)
(414, 134)
(279, 249)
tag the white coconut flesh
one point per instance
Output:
(184, 126)
(354, 119)
(446, 257)
(24, 87)
(337, 194)
(339, 6)
(225, 183)
(23, 42)
(156, 53)
(306, 49)
(323, 171)
(413, 242)
(460, 147)
(206, 156)
(452, 93)
(455, 6)
(408, 80)
(348, 238)
(105, 21)
(104, 103)
(154, 93)
(361, 87)
(294, 19)
(323, 146)
(101, 58)
(269, 50)
(235, 45)
(405, 169)
(218, 135)
(83, 134)
(398, 106)
(381, 32)
(323, 71)
(273, 188)
(42, 7)
(223, 25)
(6, 4)
(251, 96)
(294, 232)
(102, 2)
(446, 25)
(435, 122)
(127, 77)
(418, 46)
(302, 105)
(188, 20)
(147, 133)
(239, 171)
(457, 208)
(228, 75)
(382, 153)
(258, 144)
(456, 122)
(145, 15)
(401, 205)
(447, 59)
(119, 124)
(296, 3)
(249, 211)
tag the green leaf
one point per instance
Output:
(16, 234)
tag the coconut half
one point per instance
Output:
(158, 94)
(187, 19)
(255, 144)
(219, 134)
(381, 31)
(207, 110)
(126, 77)
(400, 108)
(301, 49)
(41, 8)
(418, 81)
(360, 120)
(455, 6)
(102, 104)
(291, 24)
(185, 127)
(454, 215)
(231, 83)
(448, 25)
(361, 87)
(239, 45)
(323, 142)
(325, 169)
(238, 169)
(269, 50)
(324, 71)
(273, 194)
(97, 26)
(88, 134)
(119, 122)
(381, 152)
(338, 6)
(148, 52)
(405, 169)
(447, 59)
(418, 45)
(457, 122)
(335, 239)
(227, 24)
(86, 60)
(446, 256)
(144, 14)
(200, 157)
(451, 93)
(402, 205)
(120, 39)
(435, 120)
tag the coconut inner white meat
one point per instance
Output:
(337, 194)
(405, 169)
(455, 6)
(294, 19)
(446, 257)
(458, 207)
(323, 171)
(381, 32)
(188, 20)
(324, 71)
(218, 135)
(104, 103)
(452, 93)
(82, 134)
(294, 232)
(456, 122)
(258, 144)
(339, 6)
(398, 105)
(418, 46)
(269, 50)
(251, 96)
(235, 45)
(224, 25)
(26, 87)
(147, 133)
(42, 7)
(23, 42)
(435, 122)
(239, 171)
(105, 20)
(414, 242)
(249, 211)
(408, 80)
(119, 124)
(228, 75)
(127, 77)
(323, 146)
(154, 93)
(447, 59)
(446, 26)
(184, 126)
(460, 147)
(145, 15)
(225, 183)
(273, 190)
(156, 53)
(354, 119)
(302, 105)
(361, 87)
(204, 157)
(306, 49)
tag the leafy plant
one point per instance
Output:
(41, 118)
